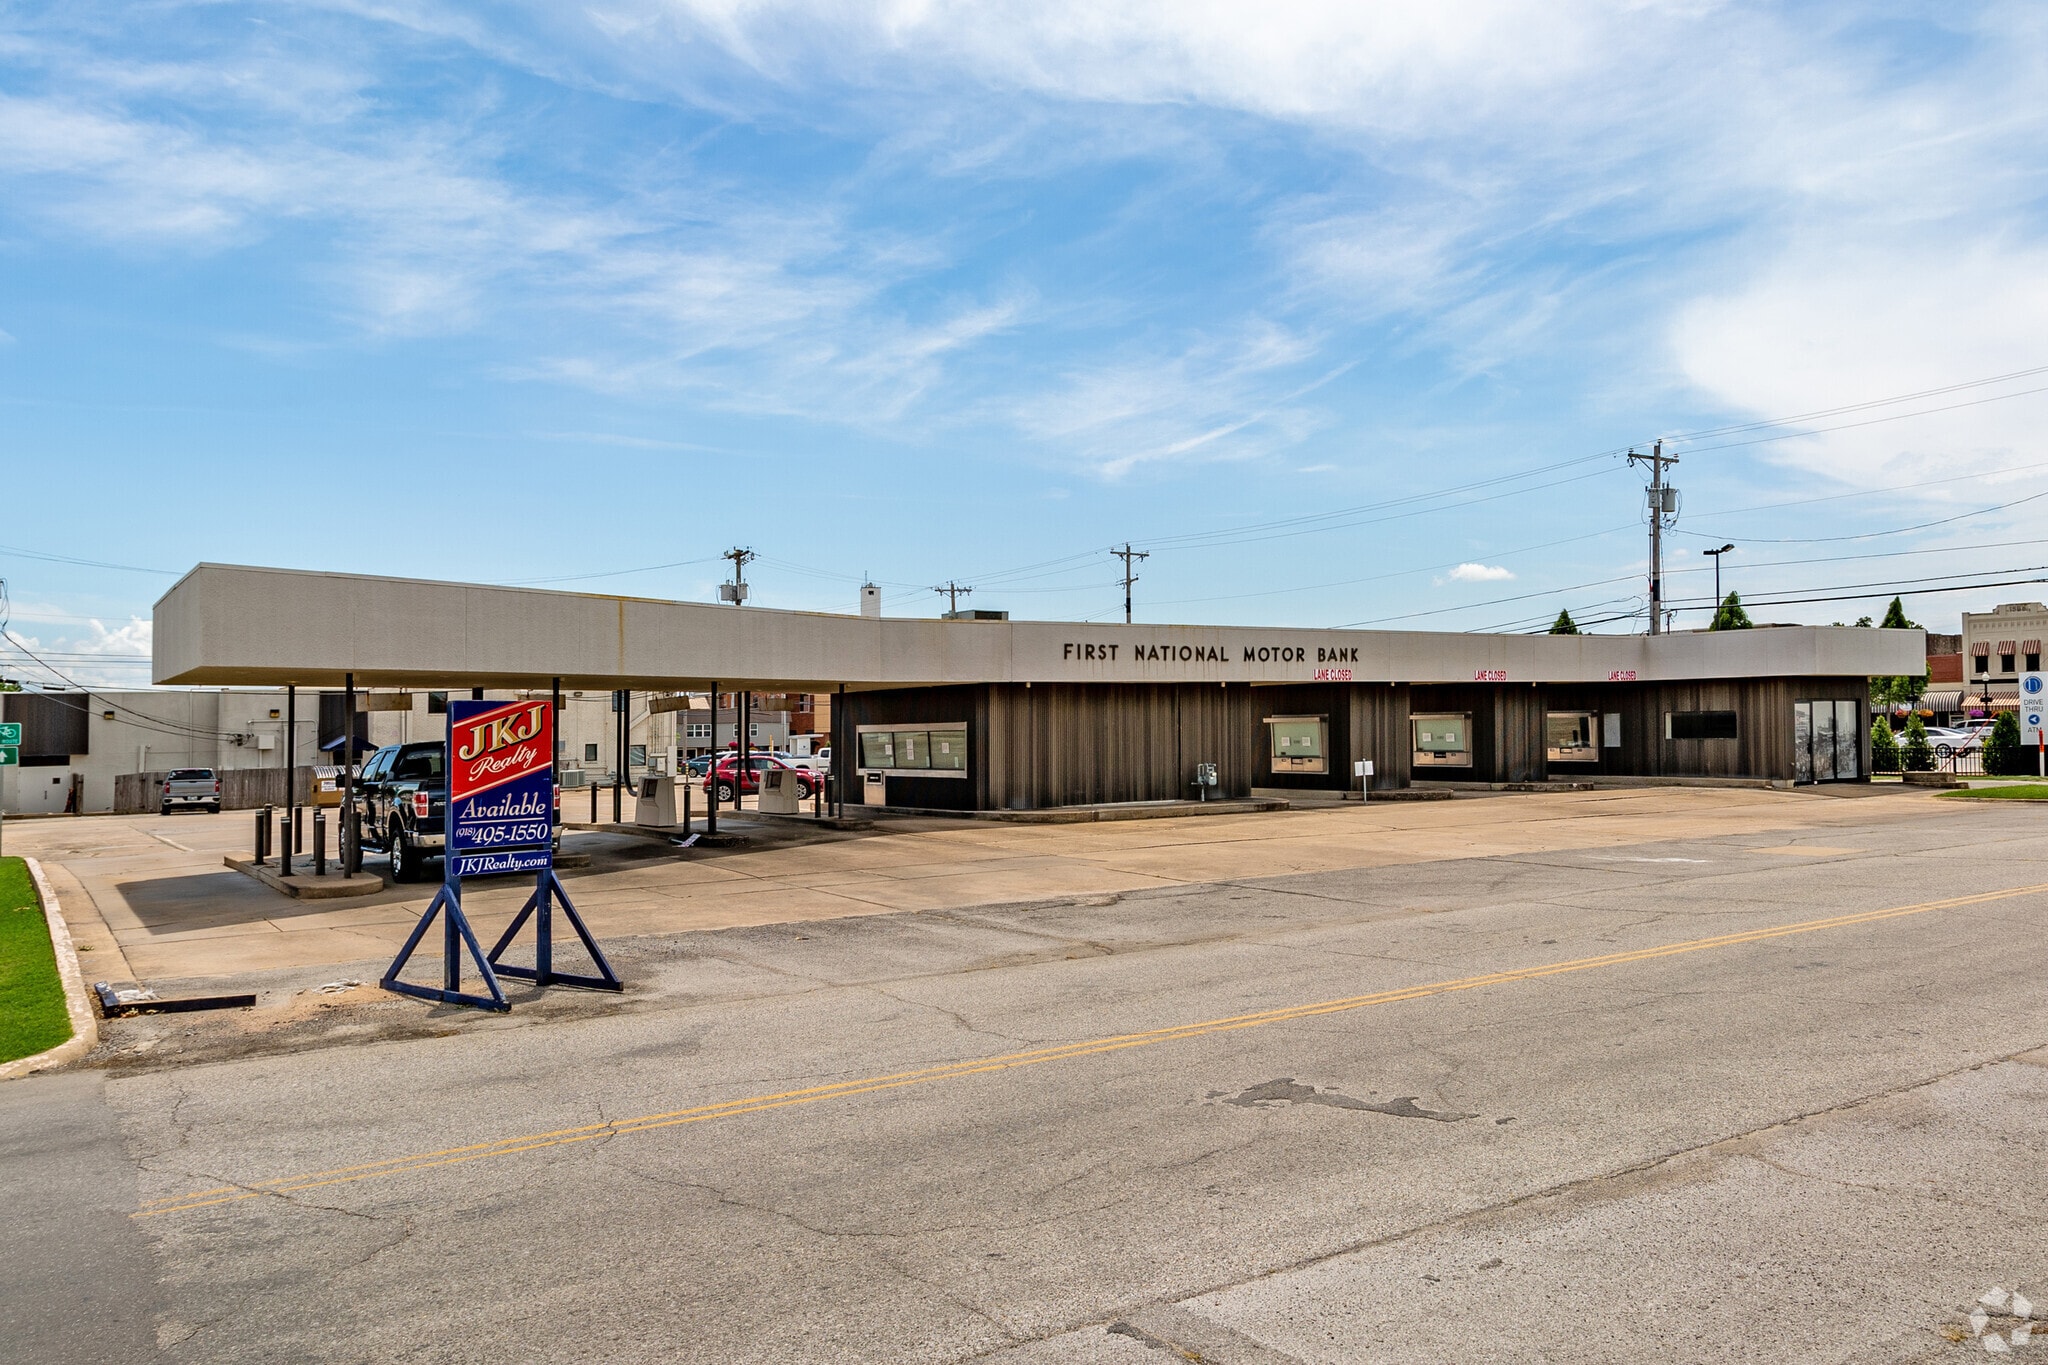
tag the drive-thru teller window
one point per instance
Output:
(928, 751)
(1301, 744)
(1443, 741)
(1569, 737)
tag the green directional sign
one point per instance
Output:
(10, 756)
(10, 732)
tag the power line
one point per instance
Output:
(17, 552)
(609, 573)
(1860, 407)
(1879, 593)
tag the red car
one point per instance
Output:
(722, 776)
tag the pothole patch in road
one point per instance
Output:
(1288, 1091)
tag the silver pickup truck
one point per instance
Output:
(189, 787)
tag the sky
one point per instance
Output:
(1346, 313)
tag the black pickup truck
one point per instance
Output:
(400, 800)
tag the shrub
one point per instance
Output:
(1916, 755)
(2003, 755)
(1884, 747)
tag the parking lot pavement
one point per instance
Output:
(1726, 1093)
(172, 912)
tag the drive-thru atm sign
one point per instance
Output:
(501, 786)
(2033, 706)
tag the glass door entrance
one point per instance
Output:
(1827, 741)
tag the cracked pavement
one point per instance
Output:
(1824, 1147)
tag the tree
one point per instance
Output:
(1906, 688)
(1564, 625)
(1916, 755)
(2003, 756)
(1730, 615)
(1884, 747)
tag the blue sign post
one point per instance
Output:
(500, 819)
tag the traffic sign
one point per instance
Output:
(2033, 706)
(10, 732)
(10, 755)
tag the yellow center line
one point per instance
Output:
(754, 1104)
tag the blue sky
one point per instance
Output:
(1340, 310)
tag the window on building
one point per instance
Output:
(1569, 737)
(1442, 741)
(2033, 661)
(590, 753)
(437, 703)
(2004, 662)
(1300, 744)
(1700, 725)
(940, 749)
(697, 729)
(636, 755)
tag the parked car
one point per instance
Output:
(400, 804)
(719, 782)
(1948, 741)
(810, 763)
(697, 765)
(185, 788)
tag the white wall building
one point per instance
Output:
(81, 741)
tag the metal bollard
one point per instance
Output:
(298, 829)
(818, 800)
(319, 843)
(284, 844)
(593, 803)
(685, 784)
(262, 844)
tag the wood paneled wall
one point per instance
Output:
(1030, 748)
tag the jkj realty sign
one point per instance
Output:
(501, 786)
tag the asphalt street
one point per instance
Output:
(1744, 1097)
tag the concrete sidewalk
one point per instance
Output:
(153, 901)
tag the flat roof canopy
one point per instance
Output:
(228, 625)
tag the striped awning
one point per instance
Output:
(2030, 646)
(1939, 701)
(2005, 646)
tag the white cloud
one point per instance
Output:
(1477, 573)
(1825, 325)
(1224, 398)
(91, 659)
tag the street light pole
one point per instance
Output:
(1717, 575)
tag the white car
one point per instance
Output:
(811, 763)
(1948, 741)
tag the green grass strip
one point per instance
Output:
(32, 1014)
(2025, 791)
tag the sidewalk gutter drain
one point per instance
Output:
(126, 1004)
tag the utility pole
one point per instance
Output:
(735, 592)
(1127, 554)
(1663, 503)
(952, 592)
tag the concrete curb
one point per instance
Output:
(309, 888)
(85, 1022)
